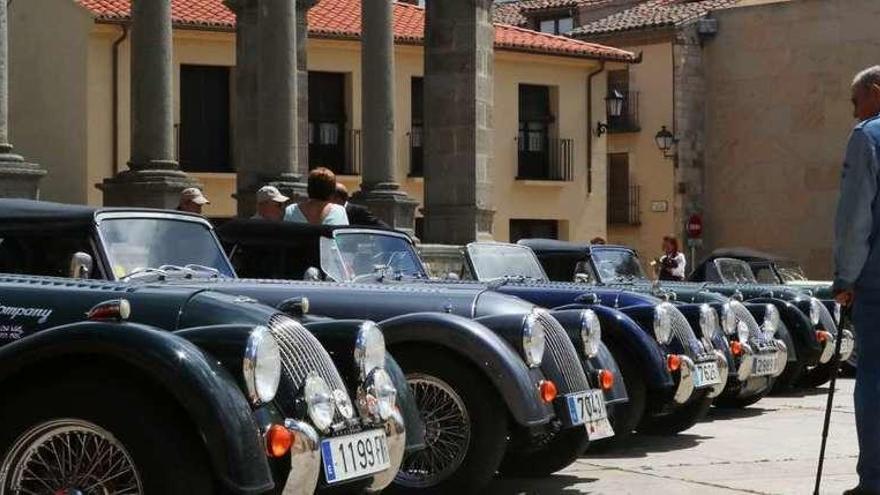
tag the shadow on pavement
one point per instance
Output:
(723, 414)
(803, 392)
(642, 445)
(558, 483)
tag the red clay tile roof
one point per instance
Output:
(651, 15)
(515, 11)
(342, 19)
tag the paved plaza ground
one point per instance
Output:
(769, 448)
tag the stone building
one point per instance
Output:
(72, 104)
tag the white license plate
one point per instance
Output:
(765, 365)
(588, 408)
(353, 456)
(706, 374)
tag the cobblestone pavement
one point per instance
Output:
(769, 448)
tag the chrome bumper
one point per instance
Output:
(395, 432)
(723, 370)
(782, 359)
(848, 344)
(685, 387)
(827, 348)
(305, 459)
(747, 361)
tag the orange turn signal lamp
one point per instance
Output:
(606, 379)
(736, 347)
(673, 362)
(547, 389)
(278, 441)
(822, 336)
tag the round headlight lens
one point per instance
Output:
(533, 339)
(663, 323)
(319, 400)
(771, 320)
(838, 310)
(709, 321)
(728, 319)
(742, 332)
(261, 366)
(369, 348)
(815, 310)
(343, 404)
(591, 332)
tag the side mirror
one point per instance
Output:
(452, 276)
(81, 265)
(295, 306)
(312, 274)
(581, 278)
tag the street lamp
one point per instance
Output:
(665, 141)
(613, 108)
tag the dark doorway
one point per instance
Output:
(416, 147)
(618, 188)
(203, 136)
(327, 120)
(534, 132)
(533, 229)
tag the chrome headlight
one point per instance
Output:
(742, 332)
(591, 332)
(261, 366)
(663, 323)
(815, 311)
(319, 400)
(772, 321)
(343, 403)
(709, 321)
(838, 311)
(369, 349)
(533, 339)
(728, 319)
(380, 396)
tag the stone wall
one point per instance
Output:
(778, 116)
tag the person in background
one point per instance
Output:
(857, 268)
(672, 263)
(192, 200)
(270, 204)
(357, 214)
(597, 240)
(318, 209)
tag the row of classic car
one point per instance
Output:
(338, 361)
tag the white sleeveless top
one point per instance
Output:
(336, 215)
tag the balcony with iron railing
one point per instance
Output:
(624, 206)
(545, 159)
(343, 156)
(628, 120)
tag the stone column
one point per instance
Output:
(379, 191)
(18, 179)
(459, 38)
(244, 138)
(277, 97)
(153, 179)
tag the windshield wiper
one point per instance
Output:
(140, 272)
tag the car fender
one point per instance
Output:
(199, 384)
(802, 336)
(501, 365)
(623, 332)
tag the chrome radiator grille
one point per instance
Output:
(682, 330)
(301, 354)
(743, 315)
(563, 355)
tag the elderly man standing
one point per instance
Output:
(857, 267)
(270, 204)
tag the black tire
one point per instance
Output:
(626, 417)
(817, 376)
(789, 378)
(678, 421)
(487, 421)
(130, 414)
(557, 453)
(737, 402)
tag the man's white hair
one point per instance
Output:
(867, 78)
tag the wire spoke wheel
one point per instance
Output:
(69, 457)
(447, 433)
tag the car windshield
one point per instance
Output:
(493, 261)
(617, 265)
(353, 255)
(733, 271)
(137, 245)
(791, 271)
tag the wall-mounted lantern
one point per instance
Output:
(665, 142)
(613, 108)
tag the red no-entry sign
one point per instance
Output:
(695, 226)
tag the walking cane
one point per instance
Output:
(835, 368)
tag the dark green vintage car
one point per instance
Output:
(114, 387)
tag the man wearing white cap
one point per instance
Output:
(270, 204)
(192, 200)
